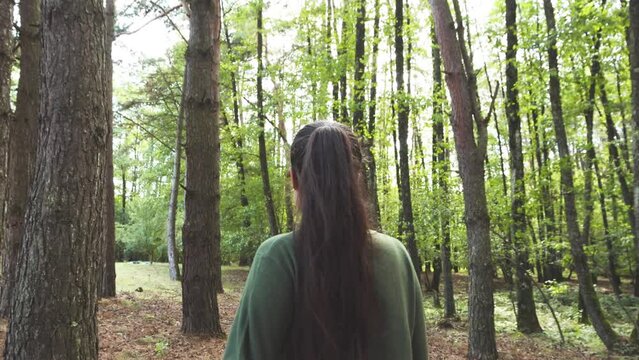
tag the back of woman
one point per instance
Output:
(332, 289)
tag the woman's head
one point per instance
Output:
(332, 243)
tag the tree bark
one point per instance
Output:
(22, 145)
(527, 321)
(106, 282)
(580, 261)
(266, 182)
(54, 302)
(633, 48)
(201, 232)
(441, 170)
(402, 134)
(470, 155)
(171, 247)
(6, 63)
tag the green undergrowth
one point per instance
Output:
(620, 312)
(153, 279)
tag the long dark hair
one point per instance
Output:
(334, 297)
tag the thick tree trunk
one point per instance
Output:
(580, 261)
(527, 321)
(441, 170)
(54, 302)
(633, 48)
(266, 182)
(23, 135)
(470, 155)
(201, 232)
(402, 133)
(369, 143)
(107, 275)
(171, 247)
(6, 62)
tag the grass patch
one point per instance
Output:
(154, 279)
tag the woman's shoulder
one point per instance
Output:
(276, 246)
(386, 242)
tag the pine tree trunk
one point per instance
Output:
(171, 247)
(23, 135)
(266, 182)
(402, 134)
(580, 261)
(633, 48)
(6, 63)
(58, 261)
(527, 321)
(107, 276)
(470, 155)
(201, 232)
(441, 170)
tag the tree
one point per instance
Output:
(470, 156)
(580, 261)
(58, 265)
(201, 231)
(408, 227)
(107, 275)
(633, 48)
(171, 248)
(527, 321)
(266, 182)
(369, 142)
(6, 62)
(23, 129)
(441, 170)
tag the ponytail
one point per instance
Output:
(334, 294)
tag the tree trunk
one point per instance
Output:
(342, 55)
(527, 321)
(54, 302)
(470, 155)
(107, 274)
(23, 135)
(6, 63)
(201, 232)
(506, 265)
(441, 170)
(171, 247)
(369, 143)
(402, 133)
(580, 261)
(266, 182)
(633, 48)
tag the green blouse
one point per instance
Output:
(261, 326)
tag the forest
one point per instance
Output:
(144, 157)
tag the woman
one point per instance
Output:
(332, 289)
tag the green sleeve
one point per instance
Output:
(263, 318)
(419, 331)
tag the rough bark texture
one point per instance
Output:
(54, 303)
(23, 129)
(633, 47)
(402, 134)
(107, 276)
(201, 231)
(266, 182)
(441, 170)
(470, 156)
(580, 261)
(527, 321)
(6, 62)
(171, 247)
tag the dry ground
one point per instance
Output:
(146, 325)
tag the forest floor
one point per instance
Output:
(146, 324)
